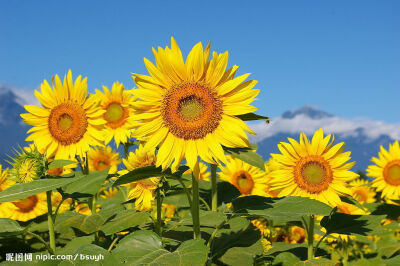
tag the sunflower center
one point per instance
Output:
(115, 115)
(313, 174)
(243, 182)
(101, 164)
(68, 123)
(391, 173)
(360, 195)
(191, 110)
(27, 170)
(26, 205)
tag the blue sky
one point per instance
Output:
(342, 56)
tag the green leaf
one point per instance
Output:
(207, 218)
(123, 220)
(285, 259)
(316, 262)
(86, 185)
(388, 246)
(59, 163)
(353, 201)
(71, 246)
(242, 255)
(239, 233)
(24, 190)
(86, 223)
(247, 155)
(91, 254)
(283, 209)
(391, 211)
(147, 172)
(145, 248)
(371, 262)
(252, 117)
(226, 192)
(342, 223)
(9, 227)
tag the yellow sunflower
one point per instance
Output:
(270, 166)
(142, 190)
(189, 108)
(103, 157)
(204, 174)
(56, 199)
(316, 169)
(84, 208)
(386, 171)
(117, 105)
(361, 191)
(107, 191)
(69, 120)
(5, 183)
(25, 209)
(295, 234)
(248, 179)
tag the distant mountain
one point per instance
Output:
(12, 128)
(363, 137)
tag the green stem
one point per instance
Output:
(345, 254)
(58, 207)
(319, 242)
(214, 233)
(112, 244)
(205, 203)
(214, 195)
(310, 237)
(50, 222)
(195, 207)
(159, 206)
(126, 150)
(38, 237)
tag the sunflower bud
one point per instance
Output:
(28, 165)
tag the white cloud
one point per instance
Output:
(24, 96)
(343, 126)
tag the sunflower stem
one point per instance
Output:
(195, 203)
(38, 237)
(159, 206)
(214, 194)
(50, 222)
(310, 237)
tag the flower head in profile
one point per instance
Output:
(316, 169)
(25, 209)
(189, 108)
(248, 179)
(68, 122)
(118, 112)
(143, 190)
(386, 171)
(28, 165)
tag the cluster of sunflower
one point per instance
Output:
(186, 112)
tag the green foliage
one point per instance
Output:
(59, 163)
(247, 155)
(252, 117)
(342, 223)
(123, 220)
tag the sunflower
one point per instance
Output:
(316, 169)
(101, 158)
(84, 208)
(5, 183)
(295, 234)
(204, 174)
(192, 106)
(118, 112)
(248, 179)
(56, 198)
(69, 120)
(386, 171)
(262, 226)
(142, 190)
(25, 209)
(107, 190)
(361, 191)
(270, 166)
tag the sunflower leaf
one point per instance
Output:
(24, 190)
(252, 117)
(85, 185)
(10, 227)
(247, 155)
(147, 172)
(145, 248)
(59, 163)
(123, 220)
(342, 223)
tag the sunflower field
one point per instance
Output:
(186, 187)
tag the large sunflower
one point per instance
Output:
(316, 169)
(25, 209)
(117, 105)
(386, 171)
(68, 121)
(189, 108)
(248, 179)
(142, 190)
(101, 158)
(5, 183)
